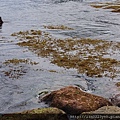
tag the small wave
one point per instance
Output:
(107, 22)
(61, 1)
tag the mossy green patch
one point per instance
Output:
(50, 110)
(50, 113)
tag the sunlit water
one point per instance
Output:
(21, 94)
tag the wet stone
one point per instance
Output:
(103, 113)
(1, 22)
(116, 100)
(74, 101)
(106, 110)
(37, 114)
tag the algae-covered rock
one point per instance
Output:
(37, 114)
(75, 101)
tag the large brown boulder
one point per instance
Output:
(50, 113)
(74, 101)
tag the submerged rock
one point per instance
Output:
(1, 22)
(38, 114)
(116, 100)
(75, 101)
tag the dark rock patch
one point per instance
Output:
(1, 22)
(116, 100)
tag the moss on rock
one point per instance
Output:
(37, 114)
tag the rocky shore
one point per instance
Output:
(88, 58)
(66, 102)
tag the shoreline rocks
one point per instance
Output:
(65, 103)
(74, 101)
(50, 113)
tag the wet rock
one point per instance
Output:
(74, 101)
(116, 100)
(103, 113)
(38, 114)
(1, 22)
(105, 110)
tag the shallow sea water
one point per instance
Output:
(22, 93)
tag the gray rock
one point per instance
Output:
(116, 100)
(105, 110)
(103, 113)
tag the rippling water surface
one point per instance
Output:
(21, 94)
